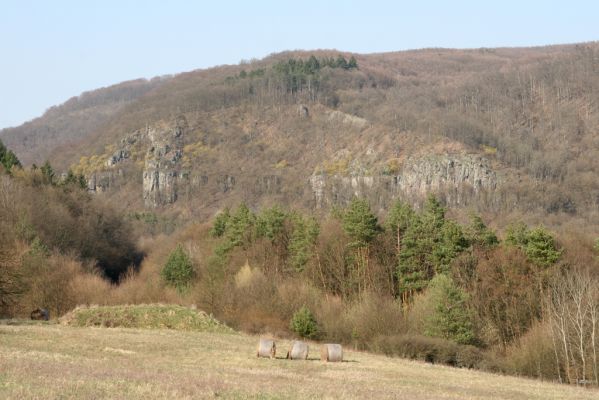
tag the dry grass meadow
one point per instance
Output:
(48, 361)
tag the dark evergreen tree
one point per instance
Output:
(220, 223)
(270, 223)
(178, 270)
(341, 62)
(360, 223)
(304, 324)
(361, 226)
(538, 244)
(478, 234)
(450, 318)
(47, 173)
(8, 159)
(302, 241)
(400, 217)
(428, 247)
(239, 230)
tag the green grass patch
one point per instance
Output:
(146, 316)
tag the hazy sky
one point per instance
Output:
(53, 50)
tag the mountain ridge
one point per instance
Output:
(263, 131)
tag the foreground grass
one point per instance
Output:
(56, 361)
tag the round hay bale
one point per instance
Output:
(266, 348)
(331, 352)
(298, 351)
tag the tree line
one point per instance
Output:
(519, 304)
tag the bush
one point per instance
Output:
(292, 294)
(304, 324)
(533, 354)
(432, 350)
(372, 316)
(48, 282)
(333, 322)
(178, 270)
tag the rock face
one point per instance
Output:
(161, 170)
(459, 177)
(102, 181)
(432, 173)
(348, 119)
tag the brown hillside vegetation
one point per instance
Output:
(73, 121)
(333, 197)
(529, 112)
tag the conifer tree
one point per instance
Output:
(8, 159)
(302, 241)
(220, 223)
(178, 270)
(450, 318)
(361, 225)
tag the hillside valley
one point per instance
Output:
(438, 205)
(495, 130)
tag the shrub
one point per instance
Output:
(292, 294)
(533, 354)
(372, 316)
(433, 350)
(333, 322)
(48, 282)
(178, 270)
(304, 324)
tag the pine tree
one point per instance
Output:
(477, 233)
(47, 173)
(541, 248)
(341, 62)
(178, 270)
(449, 243)
(450, 318)
(75, 180)
(302, 241)
(361, 225)
(415, 266)
(428, 247)
(400, 217)
(538, 244)
(220, 223)
(8, 159)
(239, 230)
(304, 324)
(270, 223)
(312, 65)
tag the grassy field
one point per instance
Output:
(52, 361)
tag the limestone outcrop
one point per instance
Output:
(459, 177)
(162, 170)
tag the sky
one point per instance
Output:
(53, 50)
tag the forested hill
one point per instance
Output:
(74, 120)
(495, 129)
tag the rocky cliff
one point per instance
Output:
(158, 149)
(161, 170)
(456, 177)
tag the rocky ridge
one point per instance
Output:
(459, 177)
